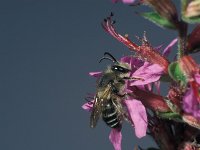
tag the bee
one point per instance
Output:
(110, 93)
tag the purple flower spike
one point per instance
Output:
(116, 138)
(138, 116)
(149, 73)
(146, 52)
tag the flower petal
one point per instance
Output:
(187, 101)
(149, 87)
(149, 73)
(116, 138)
(95, 74)
(128, 1)
(197, 78)
(157, 86)
(132, 61)
(158, 48)
(88, 106)
(190, 103)
(146, 52)
(138, 116)
(168, 49)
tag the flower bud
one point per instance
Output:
(165, 8)
(145, 51)
(188, 66)
(193, 44)
(193, 9)
(192, 121)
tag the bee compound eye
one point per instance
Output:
(121, 69)
(114, 68)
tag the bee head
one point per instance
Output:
(122, 68)
(117, 67)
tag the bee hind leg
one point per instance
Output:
(116, 91)
(133, 78)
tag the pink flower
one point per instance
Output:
(116, 138)
(191, 104)
(135, 114)
(146, 72)
(145, 51)
(165, 53)
(143, 73)
(138, 117)
(191, 99)
(149, 73)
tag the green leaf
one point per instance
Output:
(192, 20)
(158, 20)
(176, 73)
(170, 116)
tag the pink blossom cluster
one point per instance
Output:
(173, 120)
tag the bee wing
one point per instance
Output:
(98, 105)
(96, 112)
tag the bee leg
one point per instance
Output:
(127, 118)
(119, 109)
(114, 88)
(133, 78)
(120, 95)
(116, 91)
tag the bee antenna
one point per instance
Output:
(108, 58)
(111, 56)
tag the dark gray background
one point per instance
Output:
(47, 49)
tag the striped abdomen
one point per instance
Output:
(110, 115)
